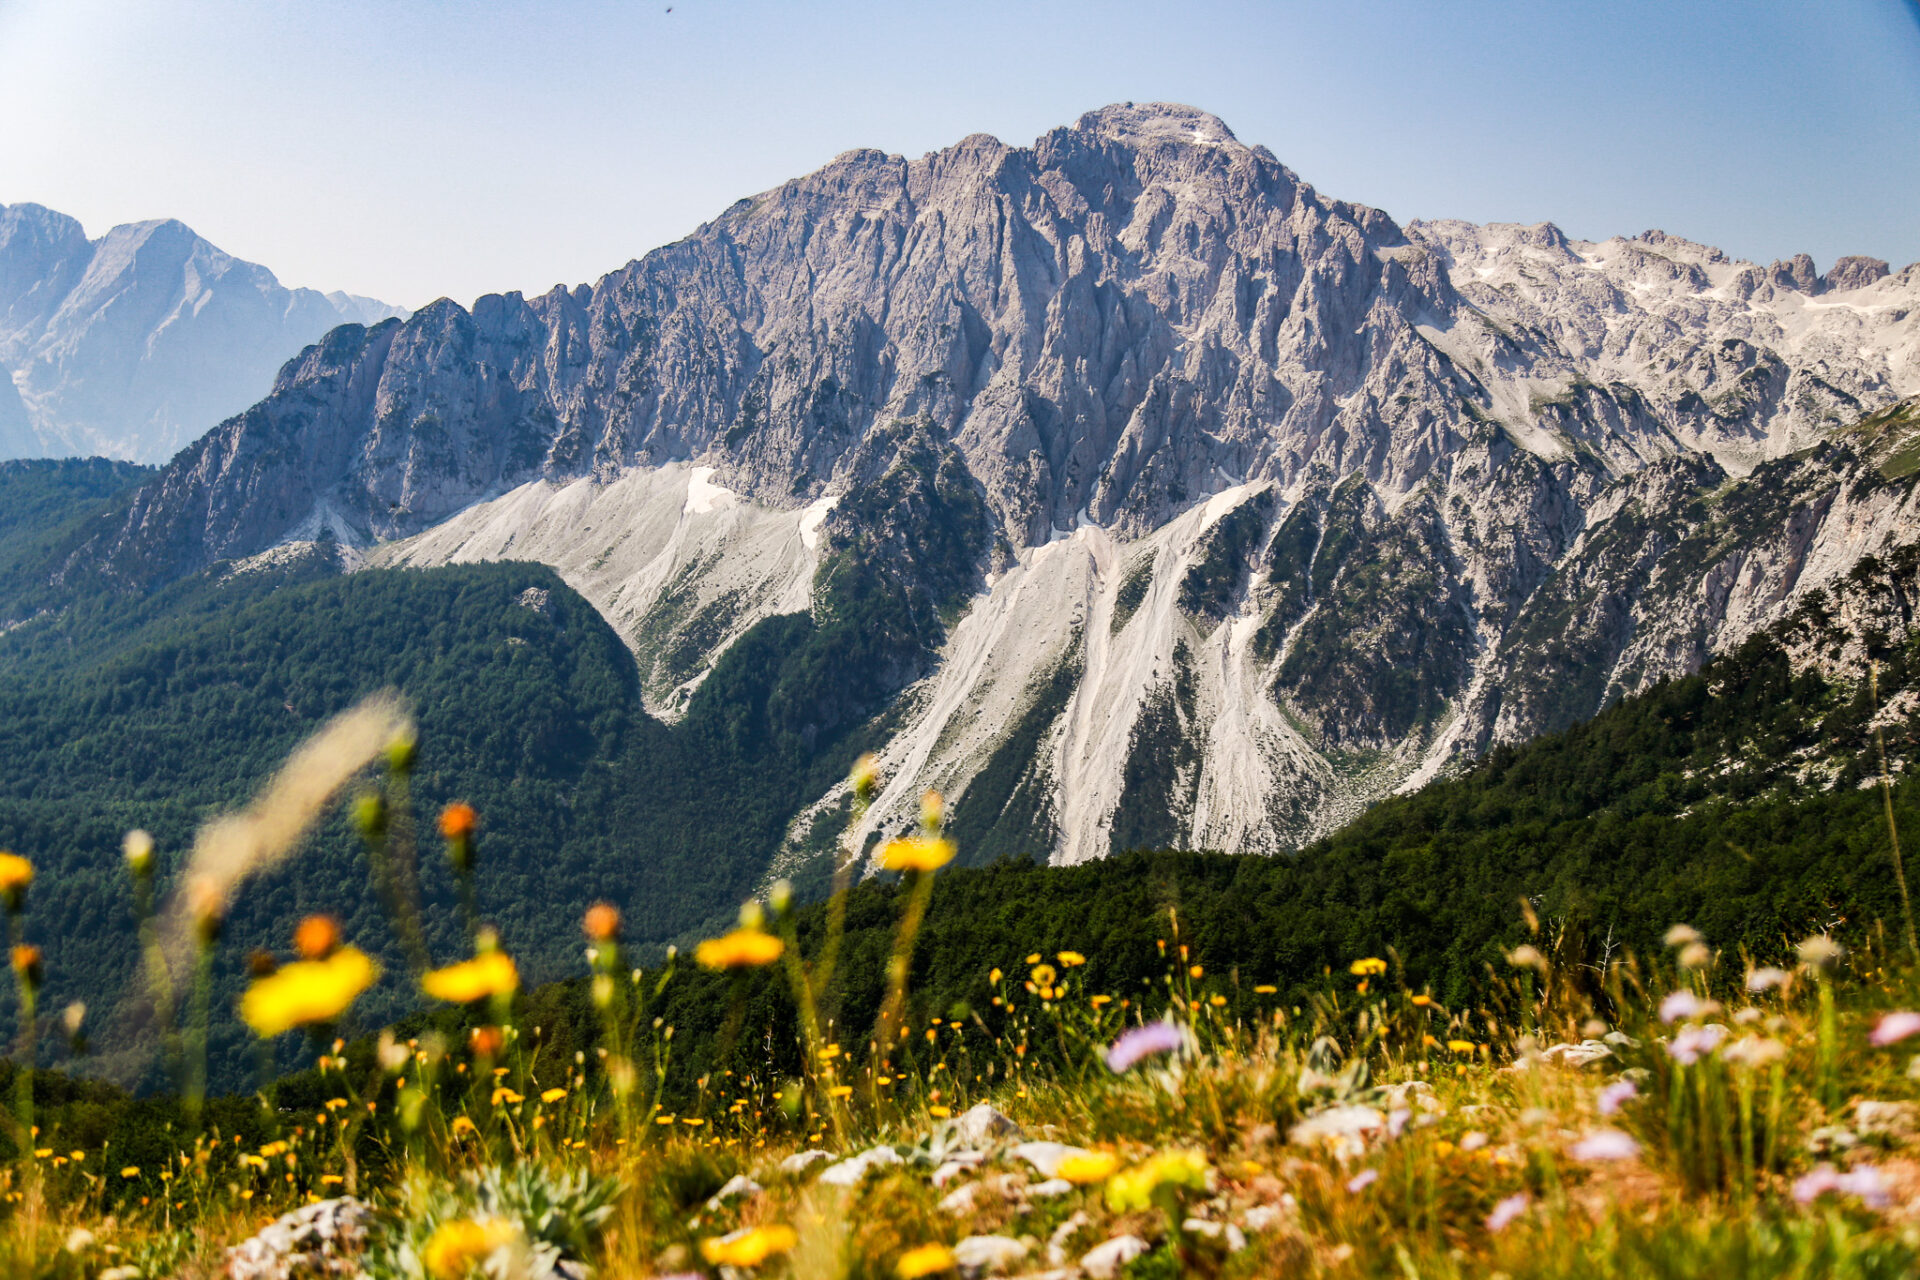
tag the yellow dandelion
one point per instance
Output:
(1100, 1001)
(131, 1171)
(1421, 1002)
(553, 1095)
(748, 1248)
(1461, 1046)
(1266, 989)
(307, 992)
(741, 949)
(841, 1091)
(456, 1247)
(1084, 1170)
(508, 1096)
(1068, 959)
(1043, 975)
(1367, 968)
(1218, 1002)
(927, 1260)
(940, 1113)
(491, 973)
(917, 853)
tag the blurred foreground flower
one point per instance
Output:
(916, 853)
(1507, 1210)
(1134, 1189)
(1617, 1095)
(741, 949)
(750, 1247)
(456, 1247)
(1141, 1042)
(307, 992)
(1767, 978)
(1606, 1144)
(927, 1260)
(491, 973)
(16, 873)
(1863, 1182)
(1370, 967)
(1085, 1170)
(1896, 1027)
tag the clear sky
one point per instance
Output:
(413, 148)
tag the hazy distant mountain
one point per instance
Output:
(1173, 501)
(133, 344)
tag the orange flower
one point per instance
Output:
(458, 821)
(602, 922)
(316, 937)
(486, 1041)
(26, 963)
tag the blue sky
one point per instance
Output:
(413, 148)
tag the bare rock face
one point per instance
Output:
(132, 344)
(1223, 507)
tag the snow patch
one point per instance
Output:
(703, 496)
(811, 518)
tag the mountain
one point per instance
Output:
(133, 344)
(1132, 491)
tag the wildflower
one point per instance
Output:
(458, 821)
(1681, 1004)
(749, 1247)
(1043, 976)
(1367, 968)
(741, 949)
(1526, 957)
(316, 937)
(1361, 1181)
(26, 964)
(508, 1096)
(1683, 935)
(1419, 1002)
(16, 873)
(486, 1041)
(1617, 1095)
(994, 976)
(865, 778)
(1695, 1043)
(138, 850)
(1461, 1046)
(1766, 979)
(1507, 1210)
(1695, 955)
(917, 853)
(1266, 989)
(927, 1260)
(1141, 1042)
(1135, 1188)
(1473, 1141)
(1068, 959)
(1895, 1027)
(602, 922)
(933, 810)
(491, 973)
(1397, 1121)
(1606, 1144)
(131, 1171)
(455, 1247)
(307, 992)
(1862, 1181)
(1821, 953)
(1083, 1170)
(553, 1095)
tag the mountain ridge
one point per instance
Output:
(1368, 491)
(129, 344)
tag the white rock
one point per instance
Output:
(1235, 1239)
(982, 1126)
(1104, 1261)
(322, 1239)
(1263, 1217)
(1050, 1188)
(738, 1185)
(850, 1171)
(1063, 1236)
(1342, 1130)
(981, 1255)
(801, 1161)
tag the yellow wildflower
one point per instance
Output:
(917, 853)
(1265, 989)
(491, 973)
(1098, 1001)
(1043, 975)
(1084, 1170)
(553, 1095)
(741, 949)
(927, 1260)
(1134, 1189)
(307, 992)
(16, 873)
(1461, 1046)
(508, 1096)
(1068, 959)
(131, 1171)
(1367, 968)
(748, 1248)
(456, 1247)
